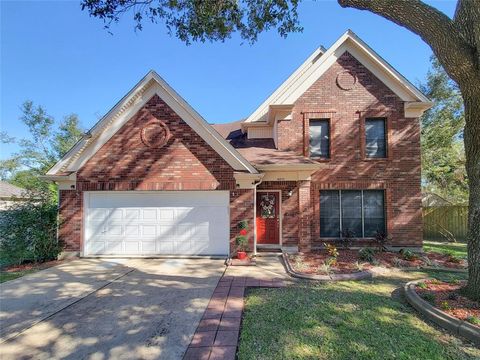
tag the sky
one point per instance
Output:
(57, 56)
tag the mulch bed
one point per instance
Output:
(348, 261)
(30, 266)
(448, 297)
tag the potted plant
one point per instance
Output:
(241, 241)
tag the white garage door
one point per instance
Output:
(156, 223)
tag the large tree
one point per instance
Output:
(454, 41)
(443, 153)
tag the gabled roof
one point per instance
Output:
(320, 61)
(152, 84)
(8, 191)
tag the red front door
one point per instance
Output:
(268, 218)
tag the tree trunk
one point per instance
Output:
(472, 152)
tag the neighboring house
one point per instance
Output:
(10, 194)
(335, 147)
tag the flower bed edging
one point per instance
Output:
(361, 275)
(446, 321)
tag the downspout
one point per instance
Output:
(255, 184)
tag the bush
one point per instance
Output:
(429, 297)
(346, 238)
(408, 255)
(381, 239)
(28, 230)
(367, 254)
(331, 250)
(473, 320)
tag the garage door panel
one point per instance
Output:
(134, 223)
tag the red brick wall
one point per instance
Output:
(347, 168)
(70, 214)
(241, 208)
(186, 162)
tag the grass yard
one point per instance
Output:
(344, 320)
(457, 249)
(11, 275)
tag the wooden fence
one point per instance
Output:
(445, 223)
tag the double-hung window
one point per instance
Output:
(359, 211)
(375, 138)
(319, 138)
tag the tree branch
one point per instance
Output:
(457, 56)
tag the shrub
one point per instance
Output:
(346, 238)
(422, 285)
(242, 243)
(408, 255)
(331, 261)
(367, 254)
(331, 250)
(453, 296)
(28, 230)
(444, 305)
(473, 320)
(429, 297)
(381, 239)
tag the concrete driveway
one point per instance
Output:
(106, 309)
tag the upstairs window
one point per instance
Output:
(375, 138)
(320, 138)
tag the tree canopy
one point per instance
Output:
(47, 142)
(443, 153)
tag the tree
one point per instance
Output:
(443, 154)
(454, 41)
(41, 150)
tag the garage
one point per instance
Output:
(156, 223)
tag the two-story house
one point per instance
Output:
(335, 149)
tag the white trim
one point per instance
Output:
(314, 68)
(280, 232)
(152, 84)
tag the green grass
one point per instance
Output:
(457, 249)
(7, 276)
(344, 320)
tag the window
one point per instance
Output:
(375, 139)
(320, 138)
(360, 211)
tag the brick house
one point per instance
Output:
(335, 149)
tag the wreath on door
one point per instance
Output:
(267, 206)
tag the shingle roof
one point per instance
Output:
(8, 191)
(257, 151)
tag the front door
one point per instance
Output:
(268, 218)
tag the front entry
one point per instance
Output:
(268, 218)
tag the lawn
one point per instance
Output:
(344, 320)
(11, 275)
(457, 249)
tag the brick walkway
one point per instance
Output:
(217, 333)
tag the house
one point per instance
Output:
(10, 194)
(336, 147)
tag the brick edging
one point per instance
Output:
(444, 320)
(217, 333)
(361, 275)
